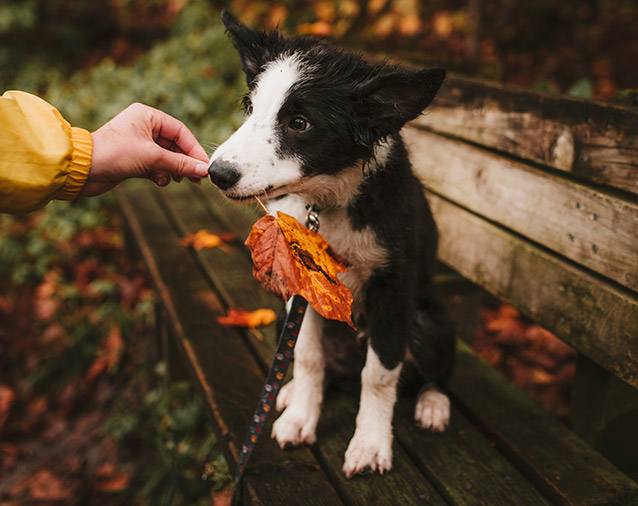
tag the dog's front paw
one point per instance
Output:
(368, 452)
(285, 395)
(294, 427)
(432, 410)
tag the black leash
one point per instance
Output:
(283, 358)
(276, 375)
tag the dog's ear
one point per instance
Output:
(391, 98)
(256, 48)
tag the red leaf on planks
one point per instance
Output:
(290, 259)
(238, 317)
(204, 239)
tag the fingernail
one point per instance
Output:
(202, 169)
(163, 180)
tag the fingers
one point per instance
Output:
(180, 165)
(173, 135)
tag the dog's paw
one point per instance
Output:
(285, 394)
(293, 428)
(432, 410)
(368, 452)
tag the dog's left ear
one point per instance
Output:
(390, 99)
(256, 48)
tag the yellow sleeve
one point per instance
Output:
(41, 156)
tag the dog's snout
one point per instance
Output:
(224, 174)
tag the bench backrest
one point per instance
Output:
(536, 200)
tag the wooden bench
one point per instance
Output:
(536, 201)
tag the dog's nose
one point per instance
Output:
(224, 174)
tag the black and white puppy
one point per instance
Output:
(322, 129)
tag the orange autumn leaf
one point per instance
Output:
(109, 354)
(289, 259)
(203, 239)
(238, 317)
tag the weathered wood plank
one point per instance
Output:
(462, 463)
(592, 228)
(604, 412)
(587, 139)
(564, 467)
(402, 485)
(594, 317)
(229, 271)
(221, 364)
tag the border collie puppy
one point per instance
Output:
(322, 131)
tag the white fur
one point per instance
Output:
(432, 410)
(303, 396)
(253, 147)
(371, 445)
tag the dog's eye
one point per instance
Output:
(299, 124)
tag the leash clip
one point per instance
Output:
(312, 220)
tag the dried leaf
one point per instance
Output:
(109, 354)
(203, 239)
(7, 396)
(290, 259)
(238, 317)
(43, 485)
(115, 483)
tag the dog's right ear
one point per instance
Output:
(256, 48)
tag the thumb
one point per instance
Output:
(179, 164)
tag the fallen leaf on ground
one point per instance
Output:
(7, 396)
(289, 259)
(203, 239)
(222, 498)
(238, 317)
(43, 485)
(109, 354)
(115, 483)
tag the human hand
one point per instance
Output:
(143, 142)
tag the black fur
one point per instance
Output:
(352, 106)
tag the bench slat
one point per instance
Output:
(463, 464)
(558, 461)
(587, 139)
(592, 316)
(222, 366)
(587, 226)
(404, 484)
(230, 273)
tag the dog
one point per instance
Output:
(322, 133)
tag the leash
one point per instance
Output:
(284, 356)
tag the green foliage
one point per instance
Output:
(194, 75)
(171, 425)
(27, 249)
(43, 40)
(583, 88)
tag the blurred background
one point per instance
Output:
(86, 413)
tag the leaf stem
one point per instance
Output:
(262, 204)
